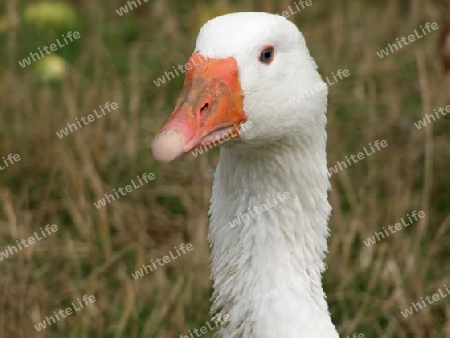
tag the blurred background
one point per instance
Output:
(117, 59)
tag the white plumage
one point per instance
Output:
(284, 151)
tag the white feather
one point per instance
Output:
(284, 151)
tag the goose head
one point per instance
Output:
(242, 87)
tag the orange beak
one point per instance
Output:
(208, 110)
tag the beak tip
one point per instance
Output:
(167, 146)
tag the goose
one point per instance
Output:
(245, 69)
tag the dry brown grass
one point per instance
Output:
(95, 251)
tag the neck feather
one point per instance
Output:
(267, 269)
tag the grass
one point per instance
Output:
(95, 251)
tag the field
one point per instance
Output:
(94, 251)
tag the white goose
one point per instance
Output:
(247, 67)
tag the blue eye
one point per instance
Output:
(267, 55)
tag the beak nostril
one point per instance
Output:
(204, 109)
